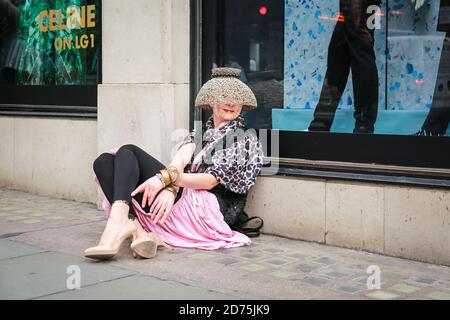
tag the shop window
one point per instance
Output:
(348, 81)
(49, 55)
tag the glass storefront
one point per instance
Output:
(48, 49)
(51, 42)
(343, 66)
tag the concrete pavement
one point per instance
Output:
(41, 257)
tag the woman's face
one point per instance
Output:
(226, 112)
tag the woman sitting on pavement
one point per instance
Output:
(193, 201)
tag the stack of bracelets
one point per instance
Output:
(169, 178)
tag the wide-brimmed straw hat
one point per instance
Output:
(225, 87)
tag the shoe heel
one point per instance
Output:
(145, 249)
(165, 245)
(159, 241)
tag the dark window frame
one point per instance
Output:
(72, 101)
(391, 159)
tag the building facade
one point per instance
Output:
(89, 75)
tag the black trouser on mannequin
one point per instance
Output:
(351, 47)
(121, 174)
(437, 120)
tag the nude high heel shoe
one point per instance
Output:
(108, 251)
(147, 246)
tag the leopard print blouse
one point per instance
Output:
(233, 155)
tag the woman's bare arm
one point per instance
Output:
(203, 181)
(183, 156)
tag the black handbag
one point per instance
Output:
(241, 225)
(232, 207)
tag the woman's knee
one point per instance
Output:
(126, 154)
(127, 147)
(101, 162)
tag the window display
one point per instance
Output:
(49, 42)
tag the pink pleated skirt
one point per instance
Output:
(195, 222)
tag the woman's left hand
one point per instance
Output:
(162, 206)
(150, 188)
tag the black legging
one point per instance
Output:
(120, 174)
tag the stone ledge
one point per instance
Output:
(405, 222)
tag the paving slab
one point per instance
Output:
(12, 249)
(140, 287)
(41, 274)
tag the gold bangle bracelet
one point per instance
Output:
(172, 189)
(166, 176)
(173, 171)
(161, 179)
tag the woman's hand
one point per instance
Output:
(150, 188)
(162, 207)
